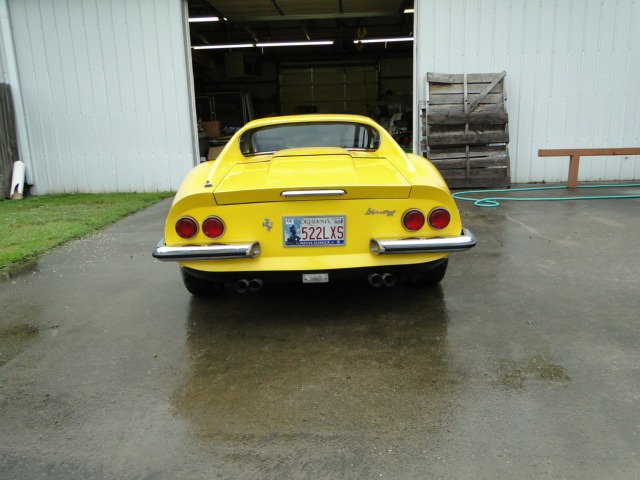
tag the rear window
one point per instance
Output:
(351, 136)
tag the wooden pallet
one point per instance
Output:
(465, 129)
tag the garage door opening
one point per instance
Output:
(261, 58)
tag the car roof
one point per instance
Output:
(311, 117)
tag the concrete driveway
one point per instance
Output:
(524, 363)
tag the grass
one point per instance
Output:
(34, 225)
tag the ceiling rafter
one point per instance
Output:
(216, 10)
(305, 30)
(278, 8)
(251, 33)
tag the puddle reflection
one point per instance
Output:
(321, 359)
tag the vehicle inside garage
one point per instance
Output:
(258, 58)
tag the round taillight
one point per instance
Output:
(439, 218)
(413, 220)
(213, 227)
(186, 227)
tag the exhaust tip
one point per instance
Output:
(241, 286)
(255, 285)
(375, 280)
(389, 279)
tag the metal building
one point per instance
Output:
(573, 74)
(102, 92)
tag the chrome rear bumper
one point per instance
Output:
(424, 245)
(378, 247)
(206, 252)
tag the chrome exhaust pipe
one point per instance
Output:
(375, 280)
(389, 279)
(242, 285)
(255, 285)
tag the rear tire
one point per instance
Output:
(432, 277)
(199, 286)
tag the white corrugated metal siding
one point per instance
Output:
(105, 86)
(573, 74)
(4, 25)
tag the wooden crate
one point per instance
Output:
(465, 129)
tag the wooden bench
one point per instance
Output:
(574, 155)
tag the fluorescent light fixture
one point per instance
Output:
(409, 10)
(220, 47)
(295, 44)
(384, 40)
(204, 19)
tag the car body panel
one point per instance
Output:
(266, 180)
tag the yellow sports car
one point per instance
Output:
(312, 199)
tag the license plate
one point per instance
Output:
(315, 278)
(314, 231)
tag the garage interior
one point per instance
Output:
(258, 58)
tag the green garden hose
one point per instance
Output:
(495, 201)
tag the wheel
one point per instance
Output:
(199, 286)
(431, 277)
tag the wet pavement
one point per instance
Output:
(524, 363)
